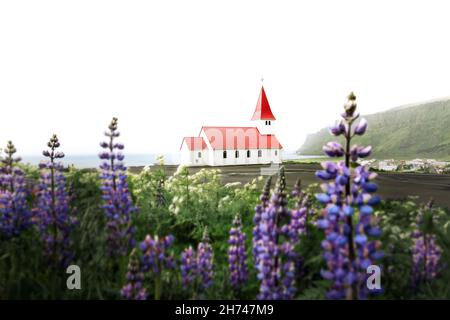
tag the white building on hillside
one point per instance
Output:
(387, 165)
(220, 146)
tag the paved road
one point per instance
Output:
(391, 185)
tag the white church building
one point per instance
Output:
(221, 146)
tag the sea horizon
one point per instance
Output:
(84, 161)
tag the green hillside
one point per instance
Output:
(414, 131)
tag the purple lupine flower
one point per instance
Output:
(361, 128)
(188, 267)
(276, 258)
(426, 253)
(337, 129)
(348, 249)
(333, 149)
(205, 261)
(155, 255)
(264, 198)
(288, 270)
(359, 152)
(156, 258)
(299, 215)
(53, 212)
(15, 215)
(197, 266)
(267, 260)
(118, 204)
(297, 192)
(237, 257)
(298, 226)
(134, 288)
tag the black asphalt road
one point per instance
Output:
(391, 185)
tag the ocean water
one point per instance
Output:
(131, 160)
(93, 161)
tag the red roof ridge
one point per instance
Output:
(229, 127)
(190, 143)
(241, 138)
(249, 127)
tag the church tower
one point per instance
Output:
(263, 114)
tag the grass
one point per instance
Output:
(421, 131)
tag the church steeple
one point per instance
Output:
(262, 110)
(263, 114)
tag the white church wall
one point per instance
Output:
(193, 157)
(200, 158)
(272, 155)
(209, 159)
(267, 156)
(185, 158)
(266, 129)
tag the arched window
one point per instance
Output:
(248, 153)
(268, 122)
(259, 153)
(276, 152)
(236, 154)
(224, 154)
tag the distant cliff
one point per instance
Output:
(413, 131)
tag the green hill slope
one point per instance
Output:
(413, 131)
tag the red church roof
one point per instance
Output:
(194, 143)
(262, 111)
(222, 138)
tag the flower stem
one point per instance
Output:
(53, 207)
(158, 287)
(351, 249)
(158, 282)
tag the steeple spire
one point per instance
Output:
(262, 110)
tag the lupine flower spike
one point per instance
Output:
(348, 248)
(118, 204)
(156, 258)
(274, 249)
(134, 288)
(260, 208)
(426, 253)
(55, 222)
(205, 261)
(237, 257)
(197, 266)
(188, 267)
(299, 214)
(15, 215)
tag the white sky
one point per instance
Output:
(165, 68)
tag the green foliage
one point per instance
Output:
(398, 219)
(183, 205)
